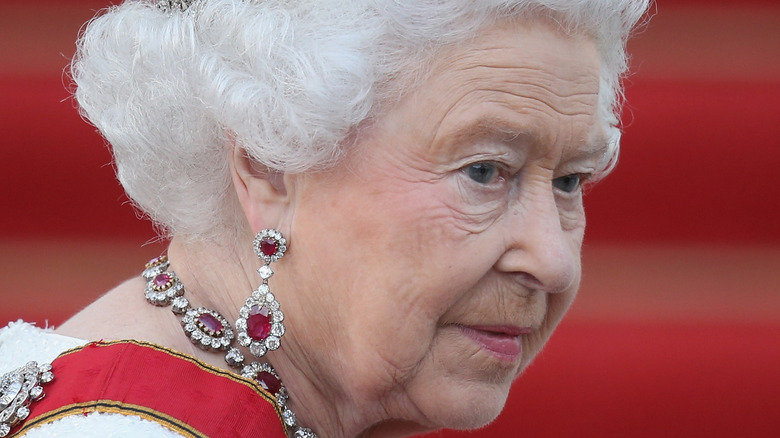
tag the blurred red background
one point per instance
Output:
(676, 332)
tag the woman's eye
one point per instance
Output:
(568, 183)
(482, 173)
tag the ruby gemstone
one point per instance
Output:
(258, 325)
(159, 260)
(269, 382)
(268, 246)
(210, 323)
(162, 280)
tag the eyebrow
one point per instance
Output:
(592, 150)
(492, 128)
(503, 130)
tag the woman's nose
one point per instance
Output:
(543, 254)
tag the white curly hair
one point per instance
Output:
(288, 80)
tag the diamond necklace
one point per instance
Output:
(210, 331)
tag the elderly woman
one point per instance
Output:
(374, 210)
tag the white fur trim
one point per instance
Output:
(21, 342)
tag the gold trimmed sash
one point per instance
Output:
(170, 388)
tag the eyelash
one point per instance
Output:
(566, 180)
(485, 172)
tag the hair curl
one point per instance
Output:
(286, 79)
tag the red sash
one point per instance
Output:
(170, 388)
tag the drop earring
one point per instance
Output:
(260, 324)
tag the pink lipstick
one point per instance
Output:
(502, 341)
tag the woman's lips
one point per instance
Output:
(502, 341)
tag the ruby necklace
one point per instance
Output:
(260, 327)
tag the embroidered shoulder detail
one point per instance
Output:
(18, 389)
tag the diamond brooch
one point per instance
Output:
(18, 389)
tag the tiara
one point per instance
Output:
(174, 5)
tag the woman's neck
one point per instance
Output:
(220, 278)
(216, 277)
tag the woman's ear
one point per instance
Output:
(261, 191)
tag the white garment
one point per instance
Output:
(21, 342)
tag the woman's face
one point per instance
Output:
(432, 265)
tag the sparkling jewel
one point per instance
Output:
(289, 417)
(36, 392)
(22, 412)
(210, 323)
(169, 6)
(234, 357)
(179, 305)
(156, 261)
(207, 329)
(304, 432)
(268, 246)
(10, 392)
(269, 382)
(277, 329)
(18, 389)
(258, 323)
(257, 349)
(272, 342)
(162, 281)
(248, 372)
(265, 272)
(155, 266)
(281, 396)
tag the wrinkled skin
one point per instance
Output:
(448, 237)
(456, 221)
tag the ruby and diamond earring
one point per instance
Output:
(260, 325)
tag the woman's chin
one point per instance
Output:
(476, 414)
(464, 406)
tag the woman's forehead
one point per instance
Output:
(522, 84)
